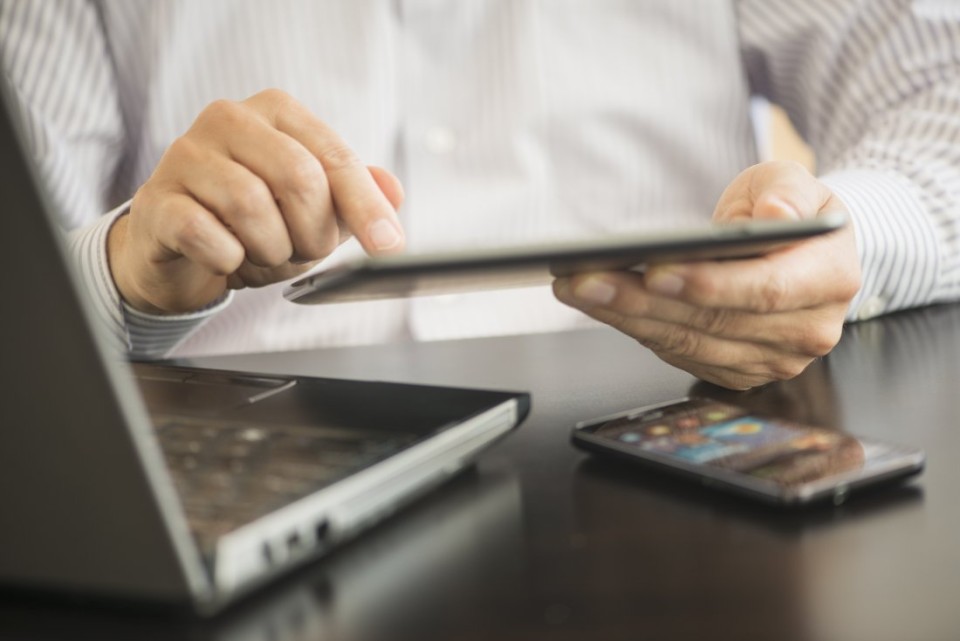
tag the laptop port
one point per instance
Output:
(267, 554)
(293, 541)
(322, 531)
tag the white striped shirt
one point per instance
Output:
(509, 121)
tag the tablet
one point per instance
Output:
(413, 274)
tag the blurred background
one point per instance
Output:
(776, 137)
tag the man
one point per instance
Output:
(510, 121)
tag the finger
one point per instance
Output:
(239, 198)
(296, 179)
(812, 332)
(811, 273)
(730, 378)
(250, 275)
(668, 340)
(389, 184)
(185, 228)
(359, 202)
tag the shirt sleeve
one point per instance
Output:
(56, 60)
(874, 87)
(141, 335)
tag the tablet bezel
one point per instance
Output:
(420, 274)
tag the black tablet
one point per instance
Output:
(413, 274)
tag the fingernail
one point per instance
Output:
(595, 292)
(665, 283)
(784, 207)
(384, 235)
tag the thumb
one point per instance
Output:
(787, 191)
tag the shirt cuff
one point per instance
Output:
(136, 333)
(896, 242)
(88, 249)
(152, 336)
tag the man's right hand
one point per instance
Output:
(254, 193)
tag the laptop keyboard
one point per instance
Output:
(228, 475)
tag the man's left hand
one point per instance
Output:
(738, 323)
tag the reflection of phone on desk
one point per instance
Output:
(727, 447)
(456, 272)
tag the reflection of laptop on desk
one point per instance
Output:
(219, 480)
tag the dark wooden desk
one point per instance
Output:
(541, 542)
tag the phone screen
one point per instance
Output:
(708, 433)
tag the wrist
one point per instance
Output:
(120, 271)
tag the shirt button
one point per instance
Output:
(440, 140)
(872, 307)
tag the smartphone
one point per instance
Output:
(402, 275)
(758, 456)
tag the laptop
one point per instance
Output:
(179, 486)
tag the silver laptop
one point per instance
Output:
(183, 486)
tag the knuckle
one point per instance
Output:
(269, 257)
(315, 247)
(273, 254)
(743, 377)
(772, 294)
(304, 179)
(276, 104)
(786, 369)
(820, 340)
(712, 320)
(195, 236)
(337, 157)
(250, 216)
(277, 97)
(318, 236)
(743, 383)
(189, 230)
(248, 199)
(700, 288)
(739, 382)
(680, 341)
(223, 113)
(229, 261)
(183, 150)
(324, 245)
